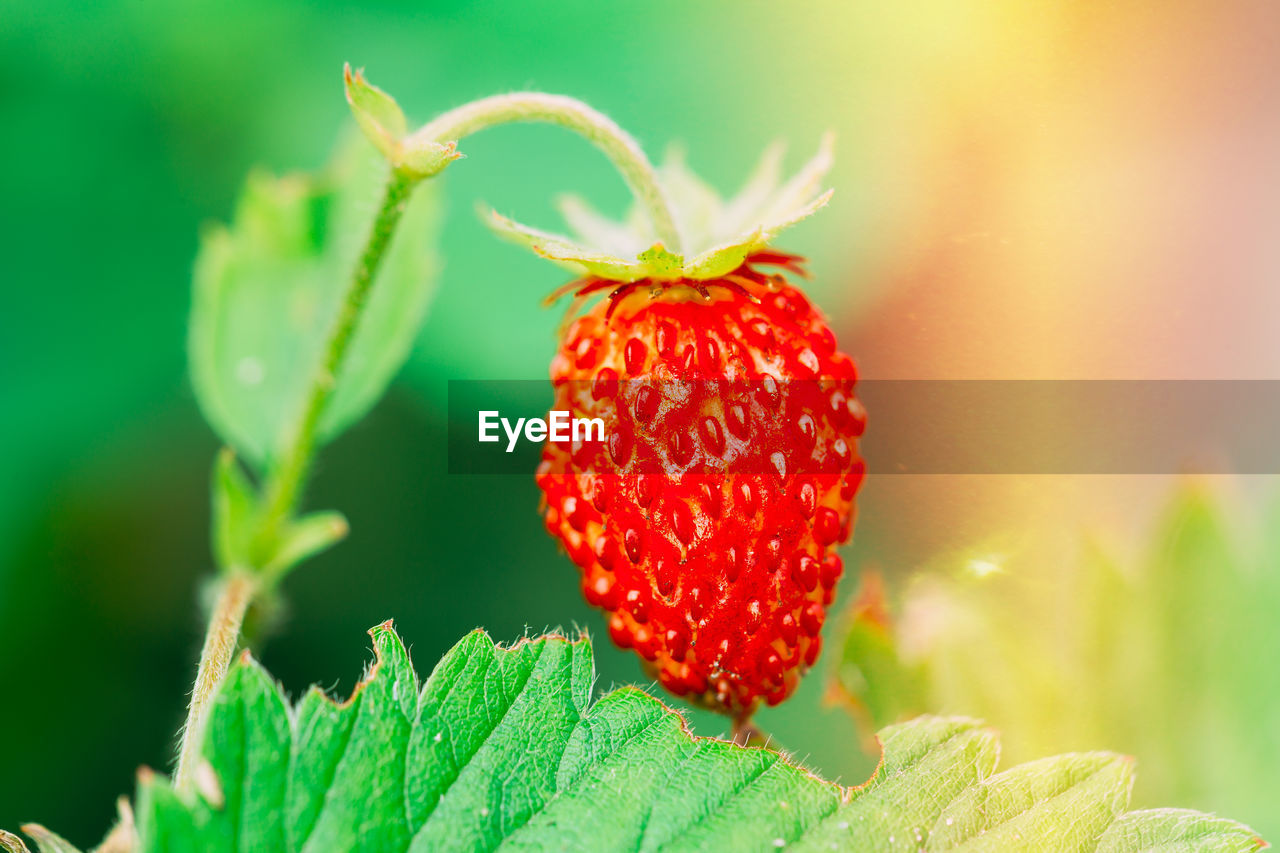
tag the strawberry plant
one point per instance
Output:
(705, 524)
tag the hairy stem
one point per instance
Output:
(598, 129)
(289, 475)
(235, 592)
(285, 482)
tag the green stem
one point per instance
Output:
(238, 585)
(598, 129)
(289, 475)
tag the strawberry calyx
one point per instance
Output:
(745, 281)
(719, 237)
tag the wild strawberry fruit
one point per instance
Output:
(705, 523)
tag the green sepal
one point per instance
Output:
(661, 263)
(383, 123)
(306, 537)
(237, 512)
(564, 251)
(235, 504)
(379, 116)
(718, 234)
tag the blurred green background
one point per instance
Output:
(1019, 194)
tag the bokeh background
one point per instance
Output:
(1024, 190)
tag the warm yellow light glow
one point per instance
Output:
(984, 568)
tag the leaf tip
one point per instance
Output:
(379, 116)
(208, 785)
(48, 840)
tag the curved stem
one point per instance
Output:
(598, 129)
(235, 592)
(287, 476)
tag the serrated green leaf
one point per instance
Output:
(1177, 831)
(1068, 800)
(267, 290)
(927, 764)
(502, 747)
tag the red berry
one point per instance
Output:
(709, 516)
